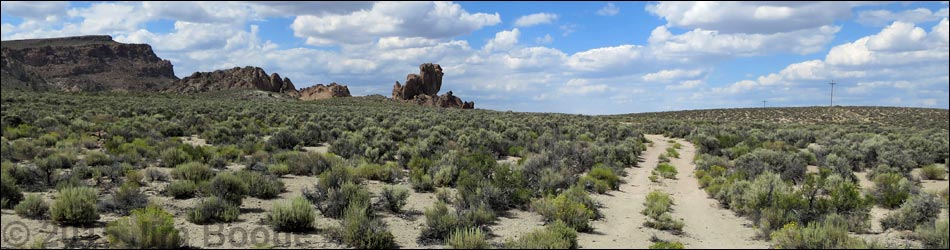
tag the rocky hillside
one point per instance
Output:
(85, 63)
(319, 92)
(423, 89)
(235, 78)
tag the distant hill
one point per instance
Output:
(881, 116)
(83, 63)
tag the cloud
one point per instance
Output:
(581, 87)
(700, 42)
(34, 10)
(535, 19)
(546, 39)
(606, 59)
(608, 10)
(567, 29)
(670, 75)
(881, 18)
(404, 19)
(752, 17)
(503, 40)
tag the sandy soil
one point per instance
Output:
(194, 140)
(515, 224)
(323, 148)
(707, 225)
(622, 224)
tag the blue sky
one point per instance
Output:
(567, 57)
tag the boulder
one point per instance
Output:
(423, 89)
(319, 91)
(235, 78)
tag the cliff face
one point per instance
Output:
(235, 78)
(86, 63)
(319, 91)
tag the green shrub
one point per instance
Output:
(918, 210)
(229, 187)
(213, 210)
(261, 186)
(124, 200)
(556, 235)
(421, 181)
(816, 235)
(278, 169)
(33, 207)
(338, 198)
(657, 203)
(891, 189)
(56, 161)
(296, 215)
(361, 231)
(471, 238)
(182, 189)
(666, 222)
(934, 236)
(575, 214)
(75, 206)
(96, 158)
(394, 198)
(440, 222)
(147, 228)
(10, 194)
(134, 176)
(933, 172)
(667, 245)
(671, 152)
(304, 164)
(23, 150)
(193, 171)
(283, 139)
(385, 173)
(666, 170)
(479, 215)
(600, 179)
(153, 175)
(171, 157)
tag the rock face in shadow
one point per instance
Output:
(235, 78)
(319, 91)
(83, 63)
(423, 89)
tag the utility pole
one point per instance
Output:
(832, 92)
(764, 103)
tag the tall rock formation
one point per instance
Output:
(83, 63)
(423, 89)
(319, 91)
(236, 78)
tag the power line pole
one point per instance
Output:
(764, 103)
(832, 92)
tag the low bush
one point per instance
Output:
(33, 207)
(817, 235)
(934, 236)
(666, 171)
(193, 171)
(556, 235)
(182, 189)
(440, 222)
(667, 245)
(338, 198)
(471, 238)
(23, 150)
(96, 158)
(295, 215)
(171, 157)
(229, 187)
(148, 228)
(213, 210)
(261, 186)
(394, 198)
(918, 210)
(385, 173)
(361, 230)
(127, 198)
(657, 208)
(672, 153)
(153, 175)
(574, 213)
(278, 169)
(666, 222)
(600, 179)
(933, 172)
(891, 189)
(75, 206)
(10, 194)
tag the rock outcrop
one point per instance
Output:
(319, 91)
(236, 78)
(83, 63)
(423, 89)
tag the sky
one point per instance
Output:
(564, 57)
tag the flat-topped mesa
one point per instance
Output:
(235, 78)
(83, 63)
(423, 89)
(320, 91)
